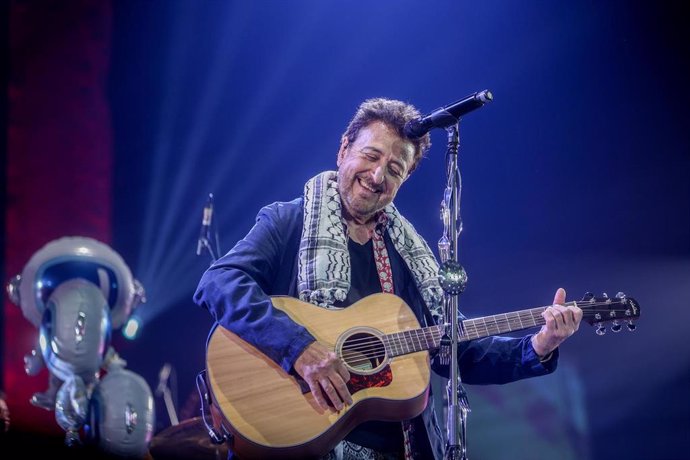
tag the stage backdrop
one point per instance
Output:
(124, 116)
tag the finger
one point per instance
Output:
(318, 394)
(344, 373)
(577, 316)
(341, 388)
(559, 298)
(564, 312)
(331, 392)
(565, 315)
(557, 320)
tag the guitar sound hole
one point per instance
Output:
(363, 353)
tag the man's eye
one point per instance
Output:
(395, 171)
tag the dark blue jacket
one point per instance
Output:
(236, 290)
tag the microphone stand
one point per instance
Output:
(204, 243)
(204, 240)
(453, 279)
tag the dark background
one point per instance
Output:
(576, 175)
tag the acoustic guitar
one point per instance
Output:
(271, 413)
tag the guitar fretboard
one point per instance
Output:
(427, 338)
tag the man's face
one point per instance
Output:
(372, 169)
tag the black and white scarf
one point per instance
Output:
(324, 260)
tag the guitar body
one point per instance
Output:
(269, 412)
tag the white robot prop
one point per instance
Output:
(76, 291)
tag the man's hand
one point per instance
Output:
(325, 374)
(561, 323)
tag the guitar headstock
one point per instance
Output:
(598, 311)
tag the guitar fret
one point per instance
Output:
(392, 344)
(401, 350)
(482, 322)
(386, 346)
(508, 325)
(437, 334)
(476, 330)
(475, 324)
(540, 319)
(518, 316)
(408, 341)
(470, 328)
(419, 342)
(403, 342)
(426, 339)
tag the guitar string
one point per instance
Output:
(483, 323)
(406, 340)
(506, 317)
(354, 362)
(374, 344)
(405, 345)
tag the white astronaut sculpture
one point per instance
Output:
(76, 291)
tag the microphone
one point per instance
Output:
(446, 116)
(163, 377)
(206, 220)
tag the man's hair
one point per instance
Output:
(395, 114)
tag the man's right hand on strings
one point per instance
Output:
(325, 374)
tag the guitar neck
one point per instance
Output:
(428, 338)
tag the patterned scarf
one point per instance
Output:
(324, 260)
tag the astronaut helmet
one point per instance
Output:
(72, 257)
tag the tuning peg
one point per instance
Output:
(601, 330)
(616, 326)
(604, 295)
(620, 295)
(631, 326)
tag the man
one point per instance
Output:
(344, 240)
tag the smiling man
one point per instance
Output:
(344, 240)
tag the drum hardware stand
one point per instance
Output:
(164, 390)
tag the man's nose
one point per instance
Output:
(379, 175)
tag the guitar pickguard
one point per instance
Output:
(360, 382)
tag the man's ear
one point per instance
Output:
(343, 150)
